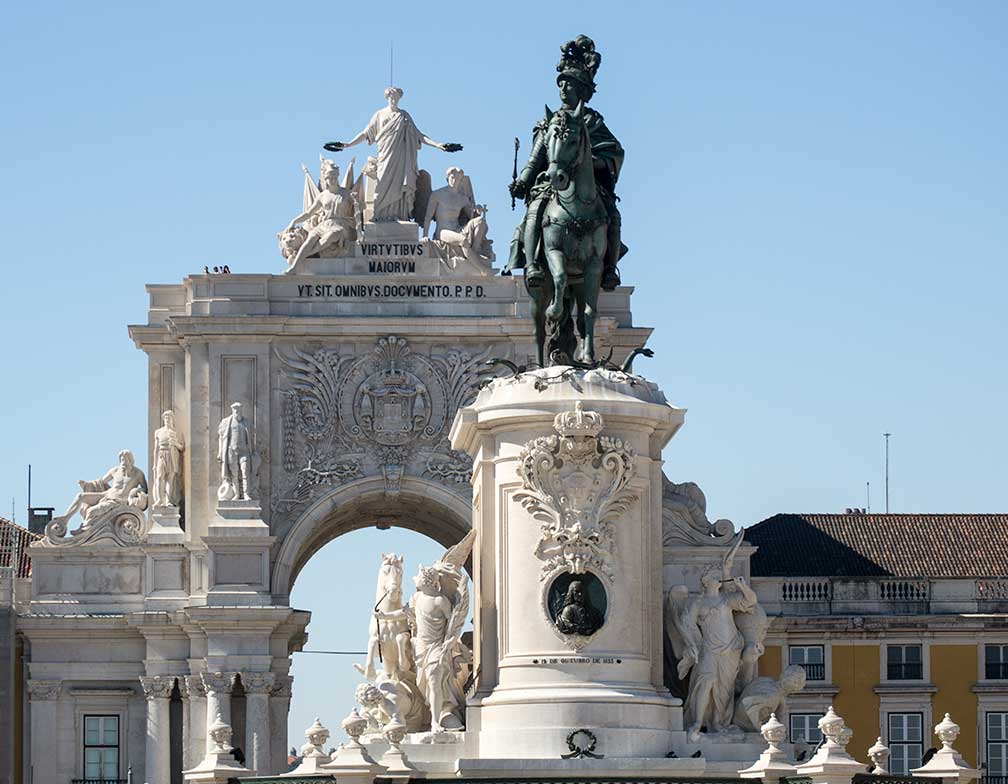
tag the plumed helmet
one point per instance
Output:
(579, 61)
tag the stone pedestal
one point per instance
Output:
(239, 544)
(567, 495)
(165, 527)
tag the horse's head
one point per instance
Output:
(389, 575)
(566, 145)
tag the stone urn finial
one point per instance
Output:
(395, 733)
(220, 733)
(316, 736)
(879, 755)
(354, 725)
(773, 732)
(947, 731)
(833, 728)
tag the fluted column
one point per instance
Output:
(218, 702)
(257, 720)
(194, 721)
(279, 707)
(44, 696)
(157, 689)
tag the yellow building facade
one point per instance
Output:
(892, 628)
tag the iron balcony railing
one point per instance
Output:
(815, 672)
(99, 781)
(905, 671)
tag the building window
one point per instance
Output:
(805, 727)
(906, 742)
(904, 663)
(101, 748)
(996, 662)
(997, 745)
(812, 658)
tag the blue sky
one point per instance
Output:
(814, 194)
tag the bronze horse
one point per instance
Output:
(573, 241)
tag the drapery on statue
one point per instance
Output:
(578, 66)
(328, 223)
(569, 239)
(168, 447)
(436, 613)
(398, 140)
(708, 641)
(122, 485)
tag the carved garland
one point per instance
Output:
(575, 484)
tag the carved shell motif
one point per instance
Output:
(575, 484)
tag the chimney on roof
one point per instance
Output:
(38, 518)
(854, 511)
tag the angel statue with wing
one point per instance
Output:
(328, 224)
(708, 641)
(436, 613)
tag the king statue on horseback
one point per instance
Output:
(569, 240)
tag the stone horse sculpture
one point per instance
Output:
(388, 638)
(573, 240)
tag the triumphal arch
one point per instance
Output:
(388, 373)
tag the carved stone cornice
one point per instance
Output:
(39, 690)
(218, 682)
(282, 687)
(257, 682)
(157, 686)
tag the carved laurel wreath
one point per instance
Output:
(575, 484)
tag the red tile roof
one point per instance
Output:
(11, 533)
(877, 545)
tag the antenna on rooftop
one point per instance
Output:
(886, 436)
(868, 496)
(29, 486)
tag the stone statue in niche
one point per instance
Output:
(168, 447)
(577, 604)
(398, 139)
(436, 613)
(764, 696)
(327, 226)
(234, 452)
(109, 507)
(460, 232)
(708, 643)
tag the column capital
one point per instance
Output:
(44, 690)
(157, 686)
(192, 686)
(218, 682)
(257, 682)
(282, 686)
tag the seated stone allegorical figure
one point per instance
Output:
(328, 223)
(765, 695)
(122, 485)
(460, 231)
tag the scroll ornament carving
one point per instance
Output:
(157, 686)
(282, 686)
(257, 682)
(575, 484)
(385, 413)
(194, 686)
(684, 517)
(44, 690)
(218, 682)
